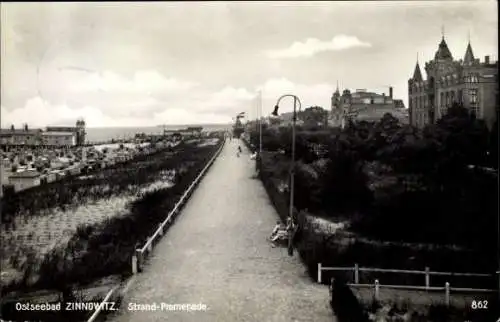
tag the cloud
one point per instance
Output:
(199, 105)
(40, 113)
(228, 99)
(146, 82)
(309, 95)
(312, 46)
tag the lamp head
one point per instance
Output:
(275, 112)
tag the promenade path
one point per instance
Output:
(217, 254)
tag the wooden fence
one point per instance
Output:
(140, 253)
(139, 256)
(427, 273)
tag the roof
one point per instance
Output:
(20, 131)
(417, 75)
(26, 174)
(399, 104)
(443, 53)
(469, 55)
(58, 133)
(61, 129)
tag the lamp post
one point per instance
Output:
(292, 167)
(260, 122)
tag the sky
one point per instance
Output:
(147, 64)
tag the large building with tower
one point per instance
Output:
(469, 81)
(363, 105)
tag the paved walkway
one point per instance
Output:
(217, 254)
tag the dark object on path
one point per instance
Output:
(344, 303)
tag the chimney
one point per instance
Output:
(390, 92)
(487, 59)
(26, 127)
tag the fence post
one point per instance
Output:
(427, 278)
(134, 264)
(138, 255)
(319, 273)
(447, 294)
(377, 290)
(356, 273)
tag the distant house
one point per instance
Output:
(52, 136)
(363, 105)
(286, 119)
(187, 132)
(20, 136)
(59, 138)
(25, 179)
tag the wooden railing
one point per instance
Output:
(427, 272)
(139, 256)
(102, 305)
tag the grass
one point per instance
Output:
(407, 309)
(94, 240)
(100, 249)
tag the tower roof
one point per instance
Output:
(469, 56)
(417, 75)
(443, 53)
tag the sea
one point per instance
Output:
(100, 134)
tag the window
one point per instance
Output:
(473, 96)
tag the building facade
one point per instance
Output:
(61, 139)
(23, 136)
(78, 130)
(53, 136)
(24, 180)
(364, 106)
(467, 81)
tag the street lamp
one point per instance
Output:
(292, 167)
(260, 122)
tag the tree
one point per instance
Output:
(493, 146)
(464, 138)
(312, 116)
(307, 188)
(344, 182)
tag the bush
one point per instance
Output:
(344, 303)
